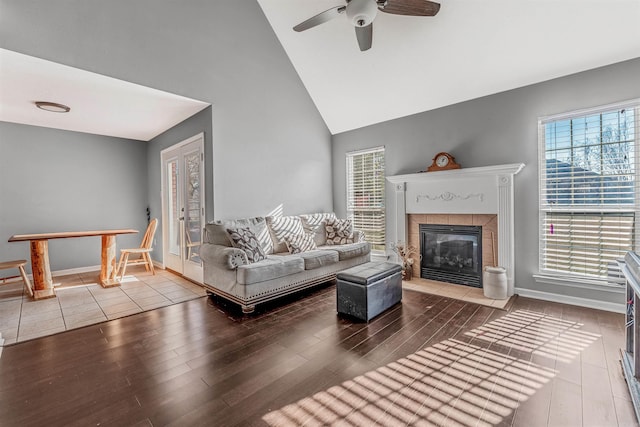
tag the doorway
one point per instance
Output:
(183, 206)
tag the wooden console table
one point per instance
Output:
(42, 282)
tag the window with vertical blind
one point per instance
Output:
(588, 192)
(365, 194)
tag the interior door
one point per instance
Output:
(183, 206)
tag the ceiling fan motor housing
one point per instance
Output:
(362, 12)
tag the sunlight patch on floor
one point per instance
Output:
(456, 382)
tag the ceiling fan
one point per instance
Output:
(361, 14)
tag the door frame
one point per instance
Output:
(165, 232)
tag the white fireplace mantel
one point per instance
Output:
(480, 190)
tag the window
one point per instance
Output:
(588, 195)
(365, 194)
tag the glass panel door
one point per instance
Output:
(193, 218)
(183, 207)
(173, 214)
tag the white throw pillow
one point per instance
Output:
(282, 227)
(300, 243)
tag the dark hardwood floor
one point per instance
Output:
(428, 361)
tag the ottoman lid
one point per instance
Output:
(370, 272)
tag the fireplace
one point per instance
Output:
(473, 194)
(451, 253)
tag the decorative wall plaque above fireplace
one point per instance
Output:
(451, 253)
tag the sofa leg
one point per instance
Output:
(248, 309)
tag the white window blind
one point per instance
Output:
(365, 194)
(588, 192)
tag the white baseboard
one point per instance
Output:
(565, 299)
(78, 270)
(66, 272)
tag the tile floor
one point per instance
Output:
(81, 301)
(460, 292)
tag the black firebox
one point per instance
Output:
(451, 253)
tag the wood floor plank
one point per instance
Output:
(625, 413)
(203, 362)
(598, 407)
(566, 401)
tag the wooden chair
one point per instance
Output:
(144, 250)
(191, 252)
(19, 264)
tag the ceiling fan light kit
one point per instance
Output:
(361, 14)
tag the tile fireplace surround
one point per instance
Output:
(472, 196)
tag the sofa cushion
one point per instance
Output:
(299, 243)
(216, 232)
(273, 267)
(243, 238)
(315, 223)
(318, 258)
(339, 231)
(348, 251)
(283, 226)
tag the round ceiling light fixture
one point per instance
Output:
(54, 107)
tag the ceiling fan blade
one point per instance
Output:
(411, 7)
(320, 18)
(364, 36)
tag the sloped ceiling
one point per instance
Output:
(472, 48)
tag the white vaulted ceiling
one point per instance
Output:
(472, 48)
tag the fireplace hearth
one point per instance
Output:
(451, 253)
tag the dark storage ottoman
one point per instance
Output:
(366, 290)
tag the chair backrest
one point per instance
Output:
(147, 240)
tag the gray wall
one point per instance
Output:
(198, 123)
(267, 146)
(493, 130)
(55, 180)
(270, 145)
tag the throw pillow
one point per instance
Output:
(216, 232)
(284, 226)
(339, 231)
(300, 243)
(315, 223)
(243, 238)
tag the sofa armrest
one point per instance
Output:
(223, 256)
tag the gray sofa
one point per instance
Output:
(228, 274)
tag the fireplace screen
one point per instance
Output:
(451, 253)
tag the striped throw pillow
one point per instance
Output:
(314, 224)
(282, 227)
(300, 243)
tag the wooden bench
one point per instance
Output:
(19, 264)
